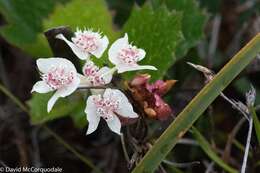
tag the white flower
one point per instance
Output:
(125, 56)
(93, 76)
(58, 74)
(109, 106)
(86, 43)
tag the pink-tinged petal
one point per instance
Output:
(110, 94)
(69, 89)
(45, 64)
(114, 125)
(125, 108)
(52, 101)
(103, 43)
(63, 92)
(124, 68)
(163, 110)
(160, 87)
(91, 112)
(140, 80)
(41, 87)
(107, 77)
(77, 51)
(142, 54)
(115, 49)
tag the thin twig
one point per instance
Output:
(231, 137)
(236, 106)
(243, 169)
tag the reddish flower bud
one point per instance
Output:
(162, 109)
(148, 96)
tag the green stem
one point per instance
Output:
(197, 106)
(56, 136)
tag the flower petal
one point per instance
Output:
(108, 76)
(92, 117)
(69, 89)
(45, 64)
(142, 54)
(52, 101)
(124, 68)
(115, 48)
(41, 87)
(77, 51)
(114, 125)
(125, 108)
(102, 47)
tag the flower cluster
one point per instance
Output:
(60, 75)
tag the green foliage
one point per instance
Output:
(197, 106)
(158, 32)
(83, 14)
(193, 22)
(167, 31)
(63, 107)
(79, 116)
(203, 143)
(24, 22)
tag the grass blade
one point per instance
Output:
(256, 123)
(197, 106)
(209, 151)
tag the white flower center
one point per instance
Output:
(106, 108)
(87, 42)
(58, 77)
(91, 71)
(129, 55)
